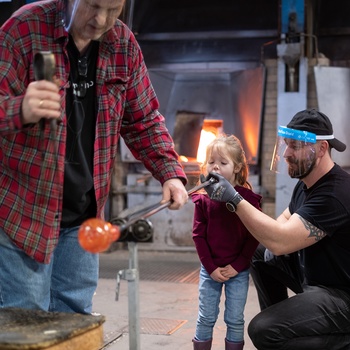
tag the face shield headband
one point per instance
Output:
(294, 153)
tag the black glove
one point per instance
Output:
(221, 190)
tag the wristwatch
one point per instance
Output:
(232, 205)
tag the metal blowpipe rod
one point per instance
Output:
(155, 208)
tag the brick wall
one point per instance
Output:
(268, 179)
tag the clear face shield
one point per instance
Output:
(90, 19)
(72, 7)
(294, 153)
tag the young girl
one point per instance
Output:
(224, 246)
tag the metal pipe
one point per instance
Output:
(155, 208)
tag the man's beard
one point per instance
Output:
(299, 169)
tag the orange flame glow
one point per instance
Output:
(183, 159)
(205, 139)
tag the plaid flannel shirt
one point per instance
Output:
(31, 183)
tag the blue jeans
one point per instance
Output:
(236, 290)
(66, 284)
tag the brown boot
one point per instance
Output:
(229, 345)
(201, 345)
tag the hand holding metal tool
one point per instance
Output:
(155, 208)
(96, 235)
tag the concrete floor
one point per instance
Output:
(167, 305)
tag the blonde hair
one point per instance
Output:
(232, 147)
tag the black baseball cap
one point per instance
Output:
(318, 123)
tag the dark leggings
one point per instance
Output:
(315, 318)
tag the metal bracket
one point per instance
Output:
(128, 275)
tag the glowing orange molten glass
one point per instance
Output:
(96, 235)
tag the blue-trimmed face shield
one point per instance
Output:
(294, 153)
(90, 19)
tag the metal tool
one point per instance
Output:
(44, 65)
(44, 69)
(145, 212)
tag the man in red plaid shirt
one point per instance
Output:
(54, 178)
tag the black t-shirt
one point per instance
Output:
(326, 205)
(79, 201)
